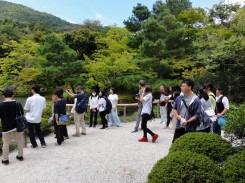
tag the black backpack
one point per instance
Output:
(81, 105)
(108, 106)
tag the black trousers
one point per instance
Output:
(103, 119)
(169, 109)
(59, 133)
(145, 118)
(93, 115)
(64, 131)
(35, 128)
(178, 133)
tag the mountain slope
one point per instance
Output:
(23, 14)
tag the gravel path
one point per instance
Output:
(113, 155)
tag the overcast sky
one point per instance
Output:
(108, 12)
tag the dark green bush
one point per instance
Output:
(234, 168)
(185, 166)
(208, 144)
(235, 125)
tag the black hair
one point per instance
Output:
(58, 92)
(220, 90)
(202, 94)
(36, 88)
(8, 93)
(113, 90)
(142, 82)
(189, 82)
(148, 89)
(210, 86)
(176, 94)
(103, 93)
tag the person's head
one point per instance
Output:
(176, 94)
(141, 83)
(209, 87)
(35, 89)
(201, 93)
(57, 94)
(187, 86)
(8, 93)
(219, 91)
(93, 93)
(112, 90)
(162, 89)
(102, 93)
(80, 89)
(148, 89)
(171, 89)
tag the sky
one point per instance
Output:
(108, 12)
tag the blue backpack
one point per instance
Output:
(81, 105)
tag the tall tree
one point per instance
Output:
(177, 6)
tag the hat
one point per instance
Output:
(80, 87)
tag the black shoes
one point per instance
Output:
(134, 131)
(20, 158)
(103, 127)
(34, 147)
(5, 162)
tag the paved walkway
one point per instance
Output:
(113, 155)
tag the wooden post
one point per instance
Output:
(124, 113)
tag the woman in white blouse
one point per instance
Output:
(93, 104)
(113, 116)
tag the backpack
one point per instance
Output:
(81, 106)
(108, 106)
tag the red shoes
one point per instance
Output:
(154, 138)
(143, 139)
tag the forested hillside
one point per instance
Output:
(24, 14)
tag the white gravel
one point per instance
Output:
(113, 155)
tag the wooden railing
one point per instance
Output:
(125, 106)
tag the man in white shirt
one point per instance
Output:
(34, 107)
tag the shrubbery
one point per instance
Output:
(234, 168)
(185, 166)
(208, 144)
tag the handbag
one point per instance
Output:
(221, 121)
(63, 120)
(21, 122)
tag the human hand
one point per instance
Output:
(218, 115)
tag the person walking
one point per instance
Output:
(102, 109)
(140, 105)
(9, 108)
(113, 116)
(34, 106)
(79, 115)
(187, 109)
(146, 99)
(93, 104)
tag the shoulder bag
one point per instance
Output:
(21, 122)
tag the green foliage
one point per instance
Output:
(178, 6)
(234, 168)
(208, 144)
(235, 124)
(185, 166)
(24, 14)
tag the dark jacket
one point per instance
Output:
(195, 110)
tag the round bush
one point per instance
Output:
(209, 144)
(234, 168)
(185, 166)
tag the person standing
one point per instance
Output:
(222, 107)
(187, 109)
(93, 104)
(59, 109)
(79, 117)
(8, 111)
(113, 116)
(163, 105)
(209, 88)
(102, 109)
(140, 105)
(146, 99)
(34, 107)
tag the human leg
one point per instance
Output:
(6, 137)
(31, 129)
(39, 133)
(178, 133)
(138, 118)
(19, 139)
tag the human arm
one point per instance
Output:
(70, 93)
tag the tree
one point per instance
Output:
(177, 6)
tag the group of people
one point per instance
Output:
(181, 106)
(190, 111)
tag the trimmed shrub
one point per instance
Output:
(185, 166)
(234, 168)
(209, 144)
